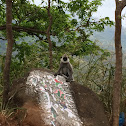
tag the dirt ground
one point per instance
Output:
(89, 107)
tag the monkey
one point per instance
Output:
(65, 68)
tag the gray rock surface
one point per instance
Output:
(60, 103)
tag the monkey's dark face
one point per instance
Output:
(64, 58)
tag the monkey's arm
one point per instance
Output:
(70, 73)
(58, 72)
(70, 68)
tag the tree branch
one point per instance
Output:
(24, 29)
(123, 3)
(116, 1)
(85, 25)
(120, 4)
(48, 35)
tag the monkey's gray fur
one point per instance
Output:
(65, 68)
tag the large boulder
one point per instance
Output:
(90, 109)
(50, 100)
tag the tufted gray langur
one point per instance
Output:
(65, 68)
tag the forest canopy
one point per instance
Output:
(72, 24)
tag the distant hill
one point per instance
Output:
(3, 43)
(2, 46)
(106, 38)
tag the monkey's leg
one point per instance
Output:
(70, 77)
(64, 76)
(58, 72)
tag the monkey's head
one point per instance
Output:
(65, 58)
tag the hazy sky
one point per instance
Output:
(106, 10)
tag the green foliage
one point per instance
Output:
(28, 56)
(97, 72)
(2, 13)
(71, 31)
(71, 28)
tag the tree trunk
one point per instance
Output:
(48, 37)
(118, 70)
(9, 33)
